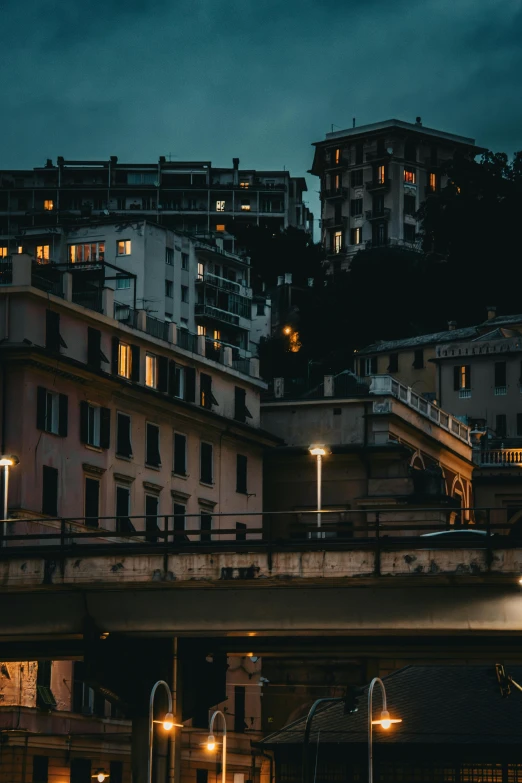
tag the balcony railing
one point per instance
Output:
(334, 223)
(215, 312)
(378, 214)
(157, 328)
(332, 193)
(92, 300)
(498, 457)
(500, 391)
(464, 394)
(219, 282)
(126, 314)
(6, 271)
(375, 184)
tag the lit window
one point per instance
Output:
(220, 206)
(409, 175)
(381, 175)
(201, 330)
(244, 184)
(337, 182)
(42, 253)
(245, 206)
(220, 227)
(124, 360)
(3, 252)
(356, 235)
(49, 204)
(338, 241)
(151, 370)
(123, 247)
(217, 337)
(122, 281)
(337, 155)
(93, 252)
(201, 270)
(19, 249)
(433, 182)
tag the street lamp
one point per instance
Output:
(6, 462)
(211, 742)
(385, 721)
(319, 452)
(167, 722)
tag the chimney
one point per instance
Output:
(418, 120)
(279, 388)
(235, 163)
(492, 312)
(235, 175)
(288, 278)
(452, 325)
(328, 386)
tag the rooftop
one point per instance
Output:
(442, 705)
(400, 124)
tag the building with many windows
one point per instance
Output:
(193, 196)
(374, 179)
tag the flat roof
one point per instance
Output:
(385, 124)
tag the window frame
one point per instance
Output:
(410, 175)
(169, 289)
(148, 463)
(151, 370)
(184, 294)
(126, 361)
(127, 243)
(120, 454)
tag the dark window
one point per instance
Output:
(116, 772)
(184, 293)
(356, 178)
(239, 708)
(80, 771)
(53, 339)
(206, 526)
(519, 424)
(151, 517)
(180, 454)
(501, 425)
(92, 500)
(190, 384)
(184, 261)
(410, 151)
(40, 769)
(356, 207)
(163, 374)
(409, 232)
(207, 399)
(169, 288)
(380, 234)
(359, 154)
(44, 696)
(410, 205)
(43, 674)
(206, 469)
(52, 411)
(123, 435)
(135, 363)
(240, 531)
(260, 309)
(202, 776)
(123, 522)
(418, 359)
(179, 519)
(50, 491)
(241, 473)
(241, 412)
(94, 352)
(152, 452)
(169, 259)
(500, 374)
(393, 362)
(337, 411)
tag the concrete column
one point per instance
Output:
(108, 302)
(201, 344)
(141, 322)
(67, 286)
(22, 265)
(227, 356)
(173, 334)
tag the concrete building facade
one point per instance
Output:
(373, 181)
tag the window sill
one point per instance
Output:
(56, 434)
(153, 467)
(242, 492)
(211, 485)
(124, 457)
(91, 447)
(183, 476)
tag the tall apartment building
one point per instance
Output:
(374, 179)
(192, 196)
(171, 276)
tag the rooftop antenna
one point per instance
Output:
(353, 122)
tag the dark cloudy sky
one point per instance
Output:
(256, 79)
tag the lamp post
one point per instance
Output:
(211, 742)
(168, 721)
(319, 452)
(6, 463)
(385, 721)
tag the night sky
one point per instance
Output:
(254, 79)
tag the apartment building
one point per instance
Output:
(186, 196)
(122, 427)
(373, 180)
(172, 276)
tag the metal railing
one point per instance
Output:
(187, 340)
(92, 300)
(6, 271)
(157, 328)
(443, 526)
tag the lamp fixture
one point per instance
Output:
(211, 742)
(385, 721)
(317, 451)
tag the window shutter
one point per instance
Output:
(180, 454)
(52, 330)
(63, 414)
(153, 454)
(105, 428)
(456, 378)
(123, 442)
(163, 373)
(190, 384)
(135, 363)
(239, 403)
(206, 463)
(41, 395)
(171, 384)
(84, 434)
(50, 491)
(241, 473)
(92, 499)
(467, 374)
(114, 355)
(94, 348)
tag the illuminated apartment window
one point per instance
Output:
(337, 156)
(220, 227)
(217, 336)
(201, 330)
(123, 247)
(381, 175)
(151, 370)
(3, 252)
(42, 253)
(124, 360)
(220, 206)
(433, 182)
(19, 249)
(244, 184)
(409, 175)
(338, 241)
(245, 206)
(356, 236)
(49, 204)
(201, 271)
(337, 182)
(94, 252)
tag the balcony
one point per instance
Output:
(378, 214)
(205, 250)
(335, 193)
(337, 253)
(378, 186)
(500, 391)
(334, 223)
(498, 457)
(208, 311)
(222, 283)
(464, 394)
(377, 156)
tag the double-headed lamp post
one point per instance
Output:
(211, 742)
(167, 722)
(385, 721)
(319, 452)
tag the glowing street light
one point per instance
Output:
(319, 452)
(385, 721)
(167, 722)
(6, 462)
(100, 775)
(211, 742)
